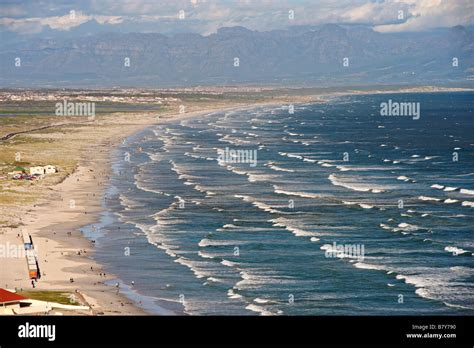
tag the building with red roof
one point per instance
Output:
(9, 302)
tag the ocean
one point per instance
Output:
(341, 211)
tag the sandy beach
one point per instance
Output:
(54, 223)
(54, 220)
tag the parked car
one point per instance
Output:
(24, 177)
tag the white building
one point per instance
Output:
(37, 170)
(49, 169)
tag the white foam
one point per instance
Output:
(208, 242)
(468, 204)
(154, 156)
(328, 247)
(228, 226)
(290, 155)
(440, 284)
(438, 187)
(450, 201)
(265, 207)
(467, 192)
(368, 266)
(450, 188)
(231, 294)
(289, 225)
(262, 311)
(279, 190)
(228, 263)
(260, 300)
(324, 164)
(426, 198)
(260, 177)
(140, 186)
(292, 134)
(236, 171)
(252, 280)
(355, 186)
(128, 203)
(407, 227)
(205, 255)
(244, 198)
(192, 155)
(455, 250)
(191, 265)
(280, 169)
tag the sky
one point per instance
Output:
(37, 17)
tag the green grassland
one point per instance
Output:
(65, 298)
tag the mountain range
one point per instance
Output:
(318, 56)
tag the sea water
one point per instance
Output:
(204, 236)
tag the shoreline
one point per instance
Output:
(63, 251)
(62, 256)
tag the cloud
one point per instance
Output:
(206, 16)
(429, 14)
(378, 13)
(63, 23)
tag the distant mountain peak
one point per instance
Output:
(300, 54)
